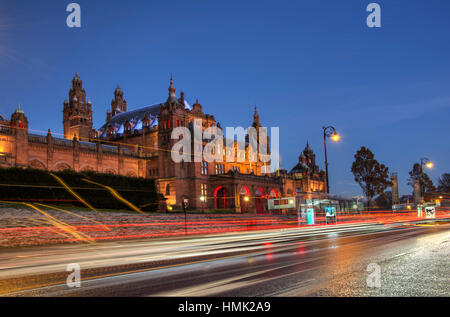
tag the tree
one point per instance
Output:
(416, 174)
(384, 201)
(444, 183)
(372, 176)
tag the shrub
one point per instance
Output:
(39, 186)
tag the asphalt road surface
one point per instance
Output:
(411, 259)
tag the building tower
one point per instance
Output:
(417, 192)
(308, 158)
(77, 113)
(262, 142)
(118, 105)
(256, 123)
(19, 126)
(170, 117)
(395, 195)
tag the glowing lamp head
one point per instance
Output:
(202, 198)
(246, 198)
(429, 165)
(335, 137)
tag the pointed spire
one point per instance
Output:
(256, 122)
(118, 91)
(172, 95)
(307, 149)
(76, 81)
(171, 87)
(77, 76)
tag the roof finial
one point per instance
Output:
(19, 110)
(308, 147)
(171, 87)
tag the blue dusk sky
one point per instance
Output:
(305, 64)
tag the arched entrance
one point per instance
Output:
(260, 200)
(220, 197)
(244, 198)
(274, 193)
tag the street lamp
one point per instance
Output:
(246, 199)
(424, 161)
(202, 199)
(329, 132)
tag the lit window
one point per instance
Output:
(204, 190)
(204, 168)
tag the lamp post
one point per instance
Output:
(202, 199)
(184, 203)
(424, 161)
(328, 132)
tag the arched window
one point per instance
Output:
(168, 190)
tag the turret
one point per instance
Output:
(77, 113)
(118, 105)
(19, 121)
(19, 126)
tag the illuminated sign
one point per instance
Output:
(330, 211)
(430, 212)
(310, 215)
(281, 203)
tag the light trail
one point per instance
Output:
(116, 195)
(197, 266)
(128, 226)
(63, 226)
(72, 192)
(75, 214)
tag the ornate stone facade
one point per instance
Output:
(138, 143)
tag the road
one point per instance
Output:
(324, 261)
